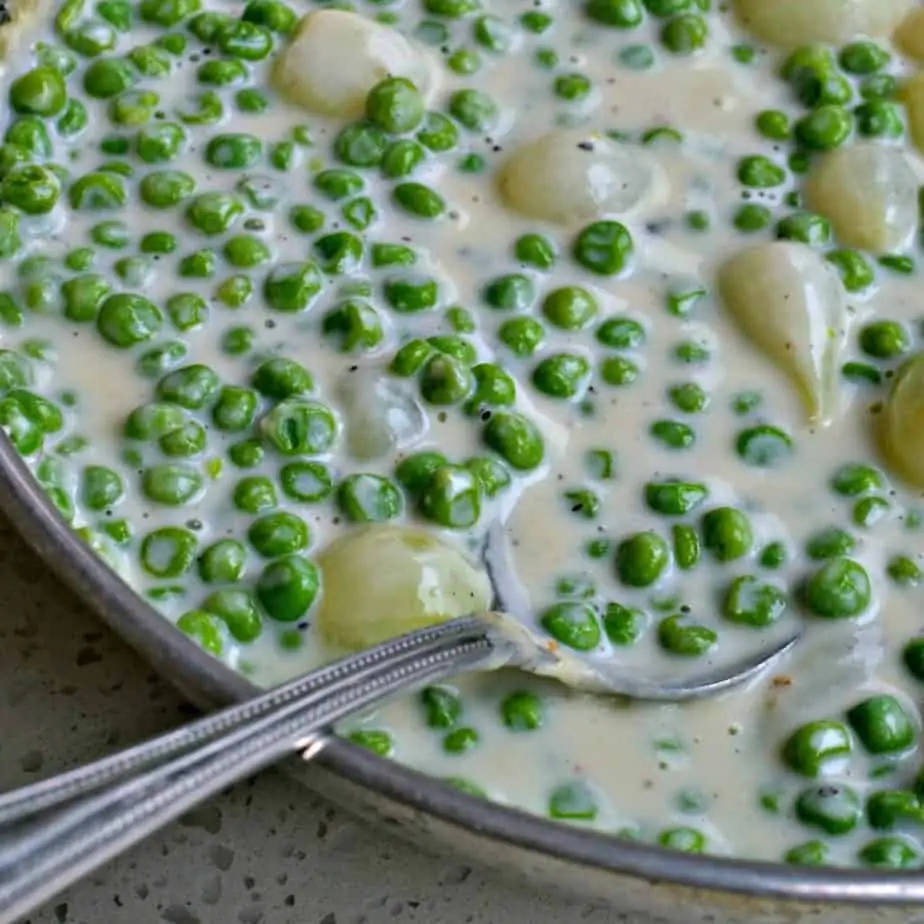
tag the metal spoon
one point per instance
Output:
(54, 832)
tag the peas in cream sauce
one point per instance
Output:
(296, 298)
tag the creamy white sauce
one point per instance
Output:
(651, 767)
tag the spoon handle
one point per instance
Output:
(106, 807)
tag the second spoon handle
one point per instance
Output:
(129, 799)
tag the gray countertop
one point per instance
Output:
(267, 851)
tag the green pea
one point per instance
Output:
(278, 534)
(243, 39)
(31, 188)
(171, 483)
(442, 706)
(763, 446)
(222, 72)
(198, 265)
(573, 802)
(355, 324)
(827, 127)
(204, 628)
(164, 189)
(882, 724)
(689, 840)
(395, 106)
(854, 269)
(214, 212)
(106, 78)
(223, 562)
(913, 658)
(522, 711)
(879, 119)
(623, 626)
(368, 498)
(97, 191)
(155, 362)
(863, 57)
(727, 533)
(205, 26)
(840, 589)
(401, 158)
(685, 34)
(291, 287)
(752, 217)
(512, 292)
(812, 747)
(751, 602)
(621, 333)
(168, 552)
(297, 426)
(392, 255)
(888, 808)
(184, 442)
(377, 741)
(474, 110)
(491, 476)
(679, 636)
(192, 386)
(460, 740)
(339, 252)
(408, 294)
(288, 587)
(569, 307)
(415, 471)
(573, 624)
(235, 151)
(187, 310)
(522, 336)
(855, 479)
(773, 124)
(673, 434)
(338, 184)
(40, 91)
(238, 610)
(150, 61)
(642, 559)
(151, 421)
(207, 108)
(234, 409)
(159, 242)
(604, 248)
(493, 387)
(759, 172)
(30, 134)
(535, 250)
(516, 439)
(687, 548)
(438, 133)
(306, 482)
(884, 339)
(836, 809)
(904, 571)
(419, 200)
(101, 488)
(869, 510)
(673, 497)
(251, 100)
(879, 86)
(275, 16)
(562, 375)
(890, 853)
(444, 381)
(125, 320)
(167, 13)
(282, 378)
(620, 14)
(254, 494)
(829, 543)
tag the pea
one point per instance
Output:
(408, 294)
(164, 189)
(685, 34)
(493, 387)
(368, 498)
(752, 217)
(275, 16)
(204, 628)
(879, 86)
(686, 546)
(307, 482)
(105, 78)
(291, 287)
(97, 191)
(674, 498)
(812, 747)
(278, 534)
(243, 39)
(464, 61)
(221, 72)
(438, 133)
(205, 26)
(751, 602)
(621, 333)
(623, 626)
(512, 292)
(395, 106)
(375, 740)
(673, 434)
(569, 307)
(620, 14)
(31, 188)
(854, 269)
(863, 57)
(522, 711)
(355, 324)
(338, 184)
(288, 587)
(160, 143)
(573, 802)
(573, 624)
(168, 552)
(401, 158)
(214, 212)
(840, 589)
(151, 421)
(188, 440)
(419, 200)
(450, 497)
(171, 483)
(235, 408)
(884, 339)
(30, 134)
(811, 853)
(759, 172)
(444, 381)
(460, 740)
(251, 100)
(516, 439)
(562, 375)
(642, 559)
(254, 494)
(158, 242)
(150, 61)
(890, 853)
(879, 119)
(222, 562)
(392, 255)
(125, 320)
(855, 479)
(604, 248)
(101, 487)
(235, 151)
(167, 13)
(727, 533)
(829, 543)
(688, 840)
(282, 378)
(773, 124)
(474, 110)
(442, 706)
(763, 446)
(238, 610)
(191, 387)
(522, 336)
(198, 265)
(882, 724)
(888, 808)
(297, 426)
(40, 91)
(73, 120)
(836, 809)
(677, 635)
(207, 108)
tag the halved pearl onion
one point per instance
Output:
(869, 194)
(571, 176)
(790, 23)
(335, 58)
(901, 423)
(383, 581)
(912, 95)
(790, 303)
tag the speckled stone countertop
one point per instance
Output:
(268, 851)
